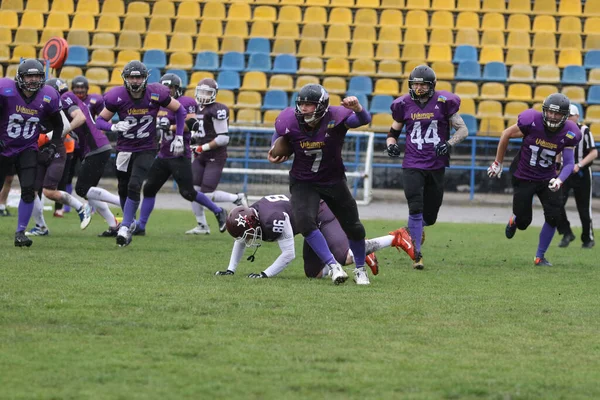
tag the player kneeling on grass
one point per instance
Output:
(545, 135)
(270, 219)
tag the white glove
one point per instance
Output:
(495, 170)
(177, 147)
(121, 126)
(555, 184)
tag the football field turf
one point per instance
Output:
(83, 319)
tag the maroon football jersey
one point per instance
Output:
(270, 214)
(207, 117)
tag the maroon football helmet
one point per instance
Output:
(243, 224)
(206, 91)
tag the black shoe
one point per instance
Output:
(588, 245)
(110, 232)
(227, 272)
(22, 240)
(138, 231)
(567, 238)
(4, 213)
(541, 262)
(511, 228)
(222, 220)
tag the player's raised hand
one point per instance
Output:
(495, 170)
(276, 160)
(351, 103)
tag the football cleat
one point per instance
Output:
(124, 235)
(222, 219)
(511, 228)
(588, 245)
(567, 238)
(137, 231)
(361, 277)
(542, 262)
(85, 216)
(402, 240)
(22, 240)
(201, 229)
(242, 200)
(4, 212)
(110, 232)
(371, 260)
(227, 272)
(58, 214)
(38, 231)
(418, 264)
(258, 276)
(338, 275)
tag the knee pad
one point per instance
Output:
(305, 227)
(82, 190)
(133, 190)
(522, 224)
(27, 194)
(552, 220)
(429, 219)
(187, 194)
(356, 231)
(415, 206)
(150, 190)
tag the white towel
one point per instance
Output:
(123, 160)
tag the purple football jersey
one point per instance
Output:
(95, 103)
(165, 141)
(20, 119)
(90, 137)
(139, 113)
(539, 148)
(317, 154)
(426, 126)
(270, 213)
(207, 117)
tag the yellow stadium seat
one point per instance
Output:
(489, 108)
(180, 60)
(155, 41)
(163, 25)
(191, 10)
(386, 86)
(226, 97)
(411, 52)
(281, 82)
(10, 19)
(26, 36)
(591, 8)
(443, 5)
(592, 114)
(544, 23)
(595, 130)
(310, 65)
(512, 109)
(367, 3)
(5, 54)
(389, 68)
(305, 80)
(129, 41)
(316, 15)
(390, 34)
(491, 54)
(543, 57)
(239, 12)
(284, 46)
(544, 7)
(439, 52)
(290, 14)
(468, 5)
(542, 91)
(492, 38)
(87, 7)
(381, 122)
(138, 8)
(97, 76)
(518, 40)
(197, 76)
(335, 48)
(491, 126)
(362, 50)
(213, 10)
(417, 4)
(5, 37)
(68, 73)
(466, 90)
(519, 92)
(592, 25)
(190, 26)
(441, 36)
(317, 2)
(265, 13)
(208, 27)
(517, 56)
(22, 51)
(547, 74)
(571, 40)
(363, 66)
(416, 19)
(443, 85)
(137, 23)
(108, 23)
(124, 56)
(246, 116)
(310, 48)
(13, 5)
(410, 65)
(254, 80)
(287, 30)
(335, 84)
(62, 7)
(167, 9)
(270, 116)
(262, 29)
(569, 25)
(443, 69)
(364, 33)
(83, 22)
(37, 5)
(575, 93)
(415, 35)
(337, 66)
(569, 57)
(594, 76)
(467, 106)
(316, 31)
(248, 99)
(519, 7)
(11, 70)
(58, 21)
(467, 36)
(442, 19)
(232, 43)
(115, 77)
(544, 40)
(496, 6)
(365, 16)
(100, 40)
(338, 32)
(467, 19)
(592, 42)
(517, 23)
(31, 19)
(493, 91)
(390, 51)
(181, 42)
(391, 18)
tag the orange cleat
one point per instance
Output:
(371, 260)
(402, 240)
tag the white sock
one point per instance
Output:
(198, 210)
(102, 209)
(38, 212)
(96, 193)
(218, 196)
(67, 199)
(372, 245)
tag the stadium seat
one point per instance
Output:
(188, 25)
(84, 22)
(363, 33)
(212, 10)
(365, 16)
(262, 29)
(259, 62)
(167, 9)
(591, 8)
(489, 108)
(389, 34)
(439, 52)
(415, 35)
(592, 59)
(389, 69)
(544, 40)
(443, 5)
(265, 13)
(232, 61)
(316, 31)
(577, 94)
(338, 32)
(464, 53)
(410, 51)
(468, 71)
(25, 36)
(180, 60)
(519, 7)
(30, 19)
(470, 122)
(198, 76)
(493, 91)
(68, 73)
(5, 55)
(305, 80)
(239, 12)
(592, 114)
(467, 106)
(491, 126)
(517, 56)
(285, 64)
(443, 70)
(417, 4)
(386, 87)
(205, 43)
(78, 56)
(247, 116)
(416, 19)
(491, 54)
(513, 109)
(226, 97)
(543, 57)
(254, 80)
(125, 56)
(544, 7)
(390, 51)
(442, 19)
(467, 90)
(443, 85)
(494, 71)
(248, 99)
(287, 30)
(542, 91)
(495, 21)
(108, 23)
(97, 76)
(516, 23)
(310, 48)
(337, 66)
(206, 61)
(155, 59)
(181, 74)
(102, 58)
(335, 48)
(62, 7)
(311, 65)
(547, 74)
(275, 100)
(361, 49)
(518, 40)
(290, 14)
(129, 41)
(389, 18)
(360, 84)
(569, 57)
(467, 37)
(138, 8)
(519, 92)
(544, 23)
(493, 38)
(281, 82)
(594, 76)
(6, 37)
(467, 20)
(10, 19)
(258, 45)
(113, 7)
(569, 25)
(270, 116)
(181, 42)
(570, 40)
(381, 122)
(592, 25)
(13, 5)
(363, 66)
(317, 15)
(137, 23)
(338, 16)
(381, 104)
(229, 80)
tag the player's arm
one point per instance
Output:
(103, 122)
(58, 125)
(288, 252)
(77, 118)
(512, 132)
(236, 256)
(391, 141)
(180, 115)
(360, 117)
(456, 121)
(568, 158)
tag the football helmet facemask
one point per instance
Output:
(243, 224)
(174, 83)
(557, 104)
(206, 91)
(313, 94)
(30, 67)
(135, 69)
(422, 74)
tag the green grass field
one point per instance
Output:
(83, 319)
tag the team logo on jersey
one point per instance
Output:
(92, 101)
(442, 99)
(436, 107)
(330, 124)
(47, 99)
(154, 97)
(570, 135)
(118, 99)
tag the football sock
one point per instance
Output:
(372, 245)
(25, 210)
(415, 226)
(102, 209)
(205, 201)
(96, 193)
(38, 212)
(546, 235)
(129, 211)
(317, 242)
(222, 197)
(68, 189)
(358, 250)
(147, 207)
(198, 210)
(67, 199)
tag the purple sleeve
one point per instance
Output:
(452, 104)
(180, 120)
(357, 119)
(524, 121)
(109, 102)
(103, 124)
(397, 108)
(280, 125)
(568, 159)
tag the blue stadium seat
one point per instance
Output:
(275, 100)
(285, 64)
(229, 80)
(206, 61)
(258, 45)
(360, 84)
(293, 98)
(381, 104)
(362, 98)
(78, 55)
(593, 96)
(153, 75)
(471, 123)
(181, 74)
(574, 74)
(156, 59)
(468, 71)
(592, 59)
(259, 62)
(464, 53)
(233, 61)
(494, 72)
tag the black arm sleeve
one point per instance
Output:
(394, 133)
(166, 102)
(57, 127)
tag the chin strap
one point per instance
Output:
(252, 258)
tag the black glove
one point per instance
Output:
(442, 149)
(393, 150)
(227, 272)
(258, 276)
(46, 154)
